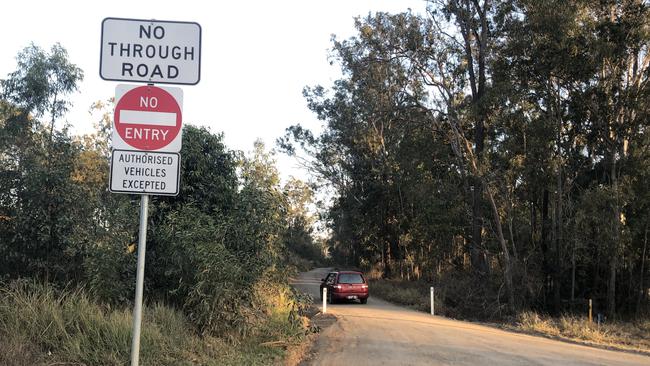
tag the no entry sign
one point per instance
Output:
(148, 118)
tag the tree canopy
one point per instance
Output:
(213, 251)
(500, 141)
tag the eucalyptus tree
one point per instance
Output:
(617, 103)
(38, 162)
(507, 111)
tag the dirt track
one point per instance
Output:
(380, 333)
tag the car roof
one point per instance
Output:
(347, 272)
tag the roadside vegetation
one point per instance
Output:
(625, 335)
(219, 255)
(41, 325)
(498, 150)
(630, 335)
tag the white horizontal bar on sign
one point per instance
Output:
(147, 118)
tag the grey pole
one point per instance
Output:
(139, 284)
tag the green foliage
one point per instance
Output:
(42, 81)
(298, 237)
(67, 326)
(40, 325)
(215, 252)
(498, 144)
(42, 210)
(208, 169)
(109, 271)
(402, 293)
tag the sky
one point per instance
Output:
(256, 57)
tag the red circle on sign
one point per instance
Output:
(147, 118)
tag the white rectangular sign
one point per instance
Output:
(151, 51)
(144, 172)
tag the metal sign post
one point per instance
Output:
(139, 284)
(147, 123)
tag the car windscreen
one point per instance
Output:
(350, 278)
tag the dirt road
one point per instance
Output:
(380, 333)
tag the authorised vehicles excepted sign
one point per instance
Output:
(151, 51)
(145, 172)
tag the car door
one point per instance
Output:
(328, 282)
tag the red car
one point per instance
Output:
(345, 285)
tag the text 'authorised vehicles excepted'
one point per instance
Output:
(145, 172)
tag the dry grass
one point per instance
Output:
(629, 336)
(453, 301)
(407, 293)
(632, 336)
(43, 326)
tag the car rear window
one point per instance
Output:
(350, 278)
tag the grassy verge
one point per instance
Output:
(629, 336)
(408, 293)
(41, 326)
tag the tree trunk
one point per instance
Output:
(506, 256)
(544, 243)
(388, 265)
(557, 270)
(613, 264)
(642, 273)
(611, 287)
(475, 36)
(533, 222)
(464, 144)
(476, 253)
(510, 224)
(573, 273)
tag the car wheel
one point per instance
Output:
(329, 298)
(363, 301)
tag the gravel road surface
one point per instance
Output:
(380, 333)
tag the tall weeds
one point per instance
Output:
(43, 325)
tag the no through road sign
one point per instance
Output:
(151, 51)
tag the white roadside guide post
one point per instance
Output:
(147, 124)
(432, 303)
(324, 300)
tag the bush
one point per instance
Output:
(41, 325)
(110, 273)
(458, 295)
(625, 335)
(410, 293)
(62, 323)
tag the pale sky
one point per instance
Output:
(256, 56)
